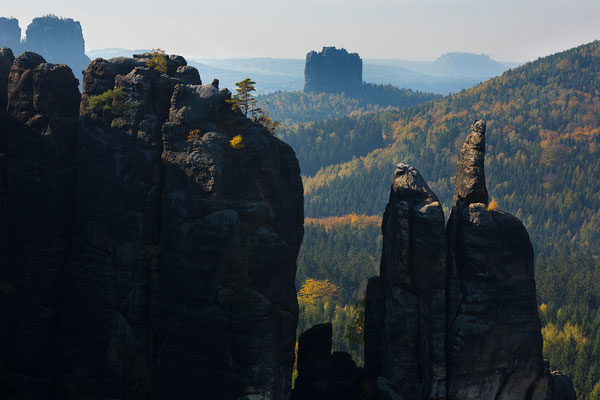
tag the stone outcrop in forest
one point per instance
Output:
(405, 310)
(453, 314)
(58, 40)
(332, 70)
(142, 254)
(468, 322)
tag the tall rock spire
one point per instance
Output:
(494, 344)
(405, 312)
(469, 184)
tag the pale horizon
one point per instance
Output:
(507, 31)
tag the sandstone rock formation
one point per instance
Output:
(140, 261)
(405, 312)
(494, 344)
(332, 70)
(58, 40)
(38, 142)
(460, 324)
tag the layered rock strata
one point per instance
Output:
(140, 260)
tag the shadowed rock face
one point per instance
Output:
(323, 375)
(494, 344)
(405, 315)
(141, 263)
(37, 191)
(332, 70)
(469, 184)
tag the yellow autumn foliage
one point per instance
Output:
(194, 135)
(236, 142)
(552, 335)
(493, 205)
(354, 220)
(314, 290)
(158, 61)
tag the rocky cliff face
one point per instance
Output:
(405, 321)
(140, 261)
(332, 70)
(494, 340)
(58, 40)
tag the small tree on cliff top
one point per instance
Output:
(245, 101)
(158, 61)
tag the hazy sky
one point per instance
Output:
(508, 30)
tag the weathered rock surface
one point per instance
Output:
(332, 70)
(58, 40)
(141, 263)
(405, 321)
(38, 174)
(494, 344)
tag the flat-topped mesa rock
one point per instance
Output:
(10, 34)
(58, 40)
(494, 344)
(172, 273)
(405, 307)
(332, 70)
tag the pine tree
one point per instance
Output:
(244, 100)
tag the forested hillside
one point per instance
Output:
(318, 144)
(298, 107)
(542, 148)
(542, 164)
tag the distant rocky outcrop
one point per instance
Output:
(332, 70)
(139, 261)
(58, 40)
(10, 33)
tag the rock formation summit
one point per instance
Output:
(332, 70)
(142, 255)
(58, 40)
